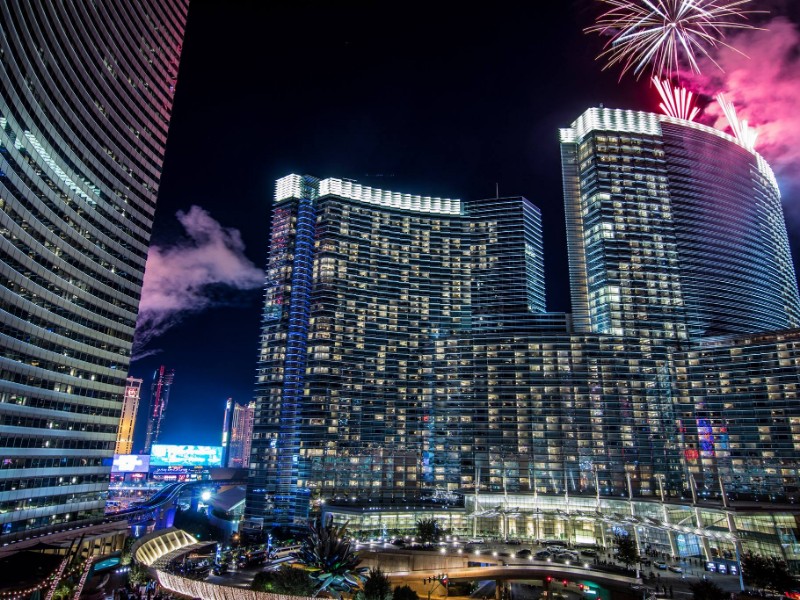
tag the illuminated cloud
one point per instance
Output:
(189, 276)
(763, 84)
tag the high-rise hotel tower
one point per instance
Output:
(363, 362)
(86, 92)
(408, 366)
(675, 230)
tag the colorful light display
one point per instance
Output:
(130, 463)
(168, 455)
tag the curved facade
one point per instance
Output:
(736, 267)
(85, 99)
(675, 230)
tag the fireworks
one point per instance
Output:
(662, 32)
(676, 102)
(743, 132)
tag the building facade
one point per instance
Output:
(407, 357)
(127, 422)
(226, 430)
(241, 436)
(159, 398)
(86, 93)
(675, 230)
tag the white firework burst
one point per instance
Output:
(676, 101)
(660, 33)
(741, 129)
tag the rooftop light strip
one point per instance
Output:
(606, 119)
(290, 186)
(369, 195)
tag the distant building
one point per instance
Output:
(159, 398)
(85, 104)
(127, 422)
(241, 435)
(226, 429)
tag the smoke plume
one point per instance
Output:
(762, 80)
(192, 275)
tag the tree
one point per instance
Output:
(328, 555)
(64, 590)
(286, 580)
(766, 573)
(627, 551)
(428, 530)
(377, 586)
(404, 592)
(138, 574)
(126, 556)
(707, 590)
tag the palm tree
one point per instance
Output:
(377, 586)
(428, 530)
(328, 556)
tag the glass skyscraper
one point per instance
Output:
(408, 365)
(675, 231)
(86, 93)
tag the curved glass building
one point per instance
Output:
(86, 93)
(408, 367)
(675, 230)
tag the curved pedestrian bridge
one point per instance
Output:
(159, 548)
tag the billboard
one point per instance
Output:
(130, 463)
(169, 455)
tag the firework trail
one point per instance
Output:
(675, 101)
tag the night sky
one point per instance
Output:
(433, 99)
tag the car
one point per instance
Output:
(567, 555)
(675, 569)
(543, 554)
(524, 553)
(662, 566)
(513, 542)
(589, 552)
(220, 569)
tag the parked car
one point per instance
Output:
(675, 569)
(543, 554)
(589, 552)
(662, 566)
(524, 553)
